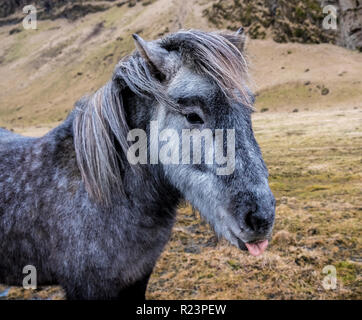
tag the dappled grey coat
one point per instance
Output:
(72, 205)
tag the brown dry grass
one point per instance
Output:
(314, 160)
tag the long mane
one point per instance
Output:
(100, 126)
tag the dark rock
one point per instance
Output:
(15, 30)
(195, 249)
(325, 91)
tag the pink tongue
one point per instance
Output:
(256, 249)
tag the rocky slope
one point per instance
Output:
(286, 20)
(9, 7)
(350, 23)
(11, 10)
(291, 20)
(44, 71)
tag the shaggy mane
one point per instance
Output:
(216, 55)
(100, 123)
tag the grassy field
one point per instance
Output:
(311, 140)
(314, 160)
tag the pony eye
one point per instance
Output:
(194, 118)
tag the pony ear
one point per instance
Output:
(241, 37)
(154, 55)
(240, 31)
(238, 39)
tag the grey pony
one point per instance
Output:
(73, 206)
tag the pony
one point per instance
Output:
(74, 207)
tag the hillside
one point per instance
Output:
(45, 71)
(291, 20)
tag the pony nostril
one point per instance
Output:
(256, 221)
(250, 221)
(250, 218)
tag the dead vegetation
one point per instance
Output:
(285, 20)
(316, 178)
